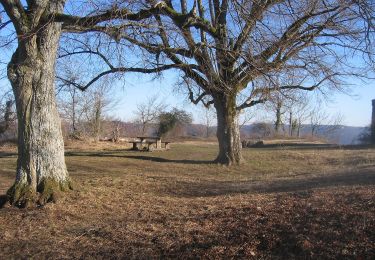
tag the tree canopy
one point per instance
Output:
(169, 120)
(235, 54)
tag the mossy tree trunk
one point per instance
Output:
(228, 132)
(41, 170)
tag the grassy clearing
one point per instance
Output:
(297, 203)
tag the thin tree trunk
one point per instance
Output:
(278, 117)
(41, 170)
(74, 112)
(144, 129)
(299, 128)
(7, 117)
(290, 124)
(97, 117)
(207, 124)
(228, 133)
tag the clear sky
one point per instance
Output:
(356, 107)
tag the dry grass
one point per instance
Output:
(296, 203)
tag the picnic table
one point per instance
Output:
(149, 143)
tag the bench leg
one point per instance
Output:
(137, 146)
(150, 147)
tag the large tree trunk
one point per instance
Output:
(41, 170)
(228, 132)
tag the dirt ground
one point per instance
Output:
(280, 204)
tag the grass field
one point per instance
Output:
(281, 203)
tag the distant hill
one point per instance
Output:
(347, 135)
(343, 135)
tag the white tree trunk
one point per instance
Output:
(228, 133)
(41, 169)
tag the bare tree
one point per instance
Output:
(147, 113)
(245, 117)
(69, 101)
(301, 112)
(277, 105)
(297, 108)
(321, 123)
(262, 129)
(208, 120)
(279, 114)
(95, 113)
(318, 117)
(7, 114)
(224, 49)
(207, 117)
(38, 25)
(335, 123)
(117, 129)
(86, 111)
(288, 105)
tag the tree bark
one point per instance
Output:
(228, 132)
(278, 117)
(41, 170)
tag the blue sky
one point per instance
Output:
(356, 107)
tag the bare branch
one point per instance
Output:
(250, 103)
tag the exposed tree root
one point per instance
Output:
(21, 195)
(225, 160)
(49, 190)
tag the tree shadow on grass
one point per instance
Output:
(301, 187)
(299, 146)
(139, 157)
(164, 160)
(6, 154)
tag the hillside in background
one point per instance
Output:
(342, 135)
(349, 134)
